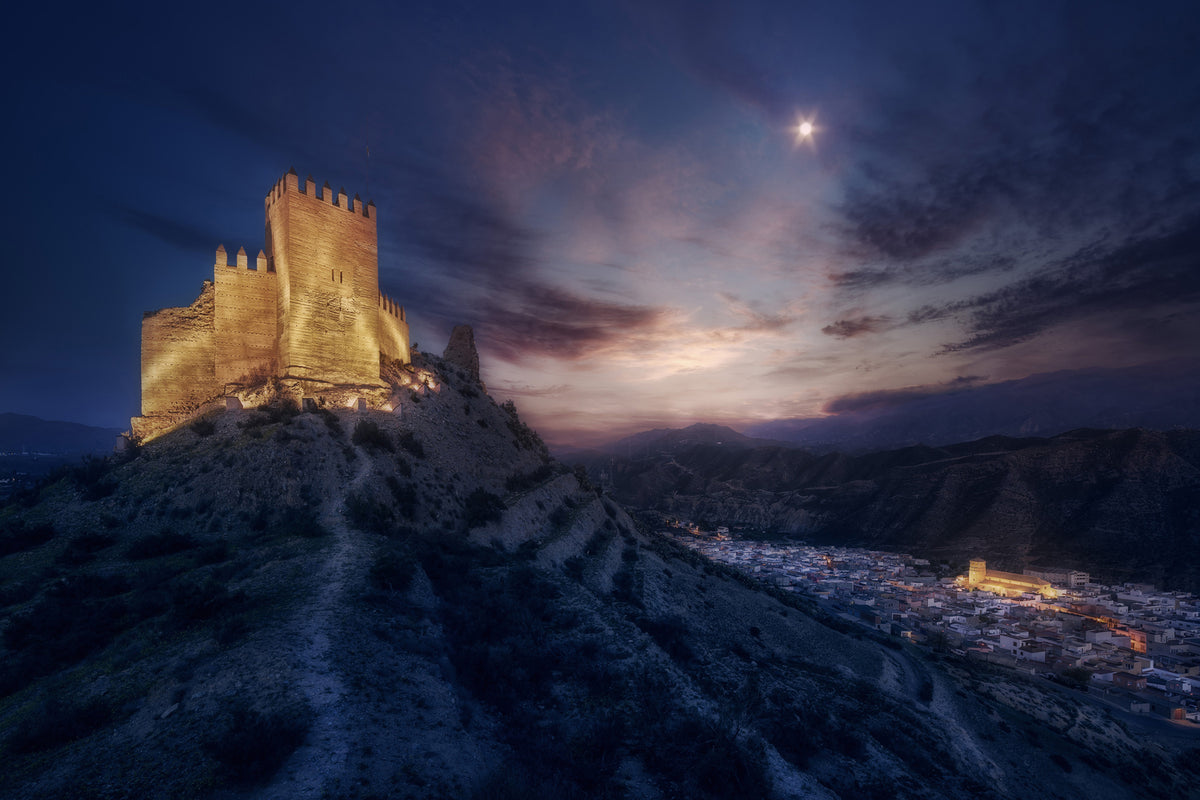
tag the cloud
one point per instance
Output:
(536, 320)
(1043, 136)
(526, 390)
(174, 232)
(858, 279)
(707, 40)
(886, 399)
(754, 318)
(849, 328)
(1143, 275)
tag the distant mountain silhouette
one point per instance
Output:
(664, 440)
(23, 433)
(1159, 396)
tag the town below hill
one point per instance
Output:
(1133, 647)
(1121, 505)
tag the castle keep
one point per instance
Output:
(309, 313)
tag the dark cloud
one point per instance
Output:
(525, 390)
(1144, 275)
(858, 279)
(536, 320)
(906, 220)
(885, 399)
(1082, 124)
(174, 232)
(849, 328)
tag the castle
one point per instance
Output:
(309, 314)
(1005, 584)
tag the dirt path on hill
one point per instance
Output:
(319, 766)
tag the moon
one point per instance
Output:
(805, 129)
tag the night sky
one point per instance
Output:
(614, 196)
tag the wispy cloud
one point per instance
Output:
(890, 398)
(860, 326)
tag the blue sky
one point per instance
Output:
(613, 193)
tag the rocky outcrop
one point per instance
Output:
(460, 350)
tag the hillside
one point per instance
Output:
(276, 604)
(1124, 505)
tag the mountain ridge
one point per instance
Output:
(1091, 499)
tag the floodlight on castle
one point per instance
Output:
(309, 317)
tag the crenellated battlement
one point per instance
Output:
(390, 306)
(302, 313)
(260, 263)
(290, 185)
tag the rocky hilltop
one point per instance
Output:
(1124, 505)
(274, 604)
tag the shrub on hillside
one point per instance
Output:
(405, 495)
(368, 434)
(392, 571)
(368, 514)
(164, 543)
(84, 547)
(299, 522)
(412, 445)
(525, 437)
(252, 745)
(204, 427)
(92, 478)
(481, 508)
(524, 481)
(17, 537)
(55, 722)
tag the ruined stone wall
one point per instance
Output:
(393, 330)
(244, 324)
(178, 357)
(325, 254)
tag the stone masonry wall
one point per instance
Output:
(178, 357)
(244, 320)
(325, 254)
(393, 331)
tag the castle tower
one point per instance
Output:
(309, 310)
(325, 254)
(977, 572)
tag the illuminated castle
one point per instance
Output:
(1007, 584)
(309, 314)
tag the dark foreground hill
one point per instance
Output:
(1124, 505)
(275, 604)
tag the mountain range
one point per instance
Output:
(274, 604)
(1124, 505)
(21, 433)
(1160, 396)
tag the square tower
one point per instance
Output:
(325, 253)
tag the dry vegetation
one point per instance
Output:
(422, 604)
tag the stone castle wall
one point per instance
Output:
(310, 313)
(178, 358)
(244, 328)
(393, 330)
(324, 250)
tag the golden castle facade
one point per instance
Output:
(1006, 584)
(309, 314)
